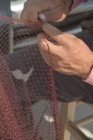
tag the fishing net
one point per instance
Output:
(28, 100)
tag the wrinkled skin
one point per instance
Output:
(69, 55)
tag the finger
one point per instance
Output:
(59, 36)
(41, 40)
(24, 15)
(45, 56)
(30, 16)
(46, 45)
(55, 33)
(29, 12)
(52, 15)
(49, 58)
(33, 16)
(25, 11)
(44, 51)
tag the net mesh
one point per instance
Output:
(28, 101)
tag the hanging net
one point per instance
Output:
(28, 100)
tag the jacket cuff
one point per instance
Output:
(89, 80)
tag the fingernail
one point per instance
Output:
(42, 17)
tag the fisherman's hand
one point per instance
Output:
(68, 54)
(45, 10)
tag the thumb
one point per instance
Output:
(52, 15)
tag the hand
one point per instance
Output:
(68, 54)
(45, 10)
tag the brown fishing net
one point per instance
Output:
(28, 100)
